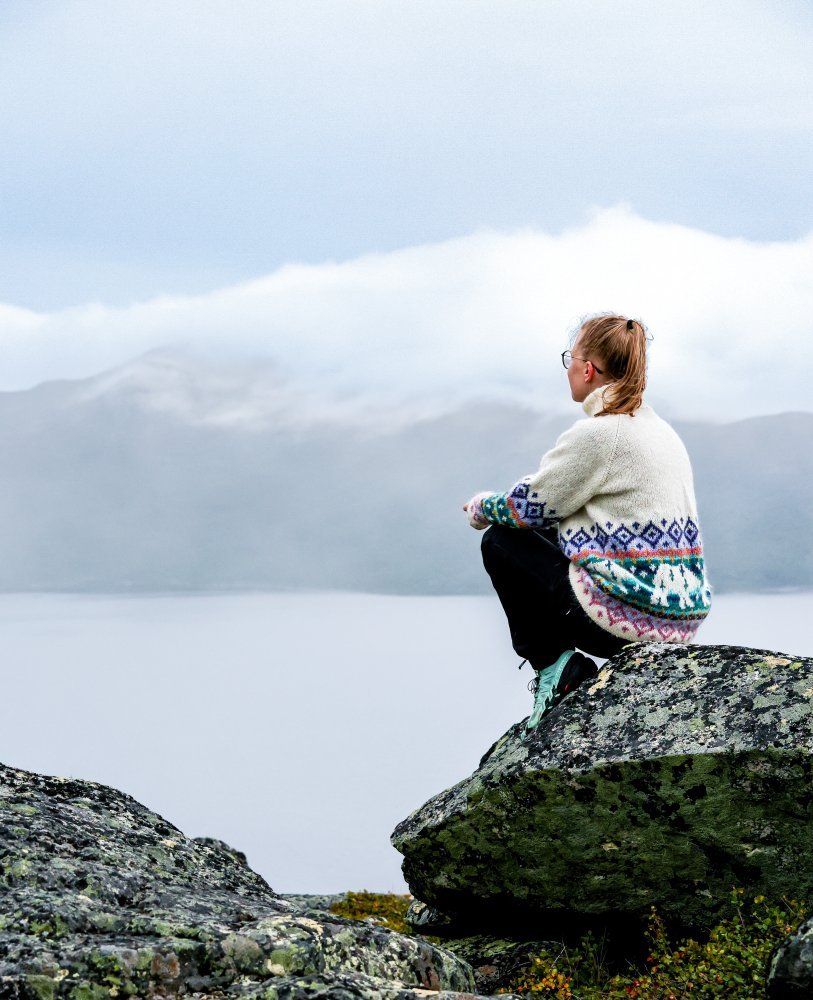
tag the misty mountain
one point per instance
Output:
(164, 475)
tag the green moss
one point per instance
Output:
(89, 991)
(22, 809)
(625, 822)
(144, 959)
(43, 987)
(243, 951)
(282, 960)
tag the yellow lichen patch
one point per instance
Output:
(776, 661)
(308, 923)
(604, 676)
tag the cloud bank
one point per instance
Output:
(172, 148)
(482, 315)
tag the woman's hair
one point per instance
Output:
(620, 343)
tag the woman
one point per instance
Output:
(601, 546)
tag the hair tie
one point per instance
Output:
(629, 324)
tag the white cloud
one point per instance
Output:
(483, 314)
(166, 147)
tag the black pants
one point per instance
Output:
(530, 574)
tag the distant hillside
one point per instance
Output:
(160, 477)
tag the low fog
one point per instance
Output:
(168, 477)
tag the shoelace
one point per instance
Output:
(533, 683)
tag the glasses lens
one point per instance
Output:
(566, 359)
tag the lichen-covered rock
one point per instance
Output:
(426, 919)
(309, 901)
(221, 845)
(790, 972)
(101, 897)
(678, 773)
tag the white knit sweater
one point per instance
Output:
(620, 489)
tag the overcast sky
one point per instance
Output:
(409, 196)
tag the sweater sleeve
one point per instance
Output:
(569, 474)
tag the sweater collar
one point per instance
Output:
(594, 403)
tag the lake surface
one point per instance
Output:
(300, 728)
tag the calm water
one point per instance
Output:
(300, 728)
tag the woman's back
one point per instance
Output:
(649, 463)
(637, 564)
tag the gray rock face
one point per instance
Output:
(221, 845)
(790, 974)
(678, 773)
(100, 897)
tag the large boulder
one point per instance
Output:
(100, 897)
(678, 773)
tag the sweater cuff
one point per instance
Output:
(475, 511)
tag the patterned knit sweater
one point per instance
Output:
(620, 489)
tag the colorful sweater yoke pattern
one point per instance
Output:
(628, 621)
(642, 580)
(656, 567)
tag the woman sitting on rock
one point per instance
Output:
(601, 546)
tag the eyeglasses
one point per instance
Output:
(568, 359)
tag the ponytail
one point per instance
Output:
(620, 343)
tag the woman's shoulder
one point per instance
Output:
(647, 433)
(591, 430)
(646, 421)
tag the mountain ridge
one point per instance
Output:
(164, 488)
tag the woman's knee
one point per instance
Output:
(495, 539)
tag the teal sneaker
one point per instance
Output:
(553, 683)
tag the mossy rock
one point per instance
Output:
(678, 773)
(100, 898)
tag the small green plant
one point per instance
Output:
(542, 978)
(730, 964)
(387, 907)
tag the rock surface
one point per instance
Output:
(99, 897)
(496, 961)
(677, 774)
(790, 974)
